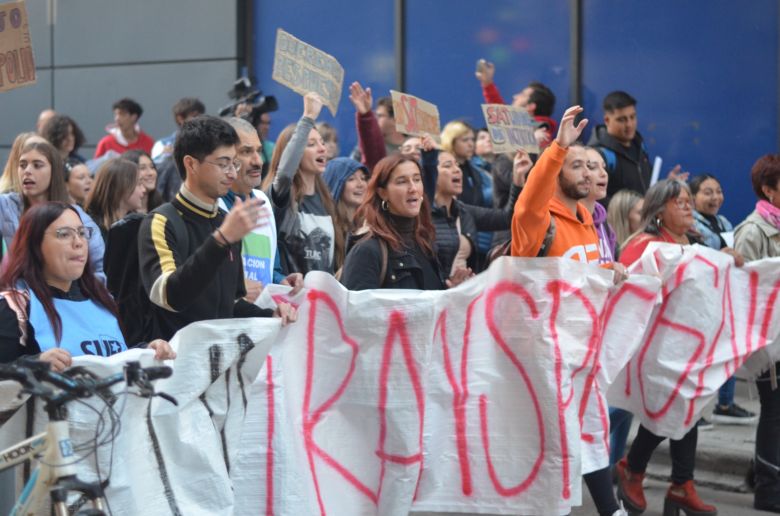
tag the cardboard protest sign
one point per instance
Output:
(712, 318)
(414, 116)
(304, 68)
(511, 128)
(17, 65)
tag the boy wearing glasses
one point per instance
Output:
(189, 249)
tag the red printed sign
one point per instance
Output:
(414, 116)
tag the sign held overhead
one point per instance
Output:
(304, 68)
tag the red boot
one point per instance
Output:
(629, 488)
(683, 497)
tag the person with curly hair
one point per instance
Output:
(64, 133)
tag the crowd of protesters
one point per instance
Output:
(194, 226)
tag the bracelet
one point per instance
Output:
(226, 242)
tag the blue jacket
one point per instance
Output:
(709, 230)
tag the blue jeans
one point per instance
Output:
(619, 426)
(726, 392)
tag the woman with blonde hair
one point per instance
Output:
(624, 214)
(457, 138)
(9, 182)
(303, 207)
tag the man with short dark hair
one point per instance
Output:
(622, 146)
(168, 179)
(191, 267)
(185, 109)
(125, 134)
(536, 98)
(550, 220)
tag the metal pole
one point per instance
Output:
(575, 52)
(400, 45)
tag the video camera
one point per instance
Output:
(244, 92)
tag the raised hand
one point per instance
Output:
(568, 132)
(677, 174)
(360, 98)
(521, 165)
(242, 218)
(427, 143)
(312, 105)
(485, 72)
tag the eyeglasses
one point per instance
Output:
(70, 234)
(683, 203)
(225, 166)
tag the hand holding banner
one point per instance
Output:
(304, 68)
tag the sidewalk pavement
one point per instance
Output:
(723, 452)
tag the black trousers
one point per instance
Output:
(683, 452)
(600, 487)
(767, 468)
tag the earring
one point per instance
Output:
(384, 205)
(658, 221)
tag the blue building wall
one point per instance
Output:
(705, 72)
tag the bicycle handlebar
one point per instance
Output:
(32, 373)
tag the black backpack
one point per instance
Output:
(505, 249)
(123, 273)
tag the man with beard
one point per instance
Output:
(258, 247)
(548, 219)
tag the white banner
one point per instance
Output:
(712, 317)
(488, 398)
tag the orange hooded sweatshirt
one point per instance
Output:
(575, 236)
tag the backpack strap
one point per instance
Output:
(12, 298)
(505, 248)
(383, 269)
(548, 239)
(177, 222)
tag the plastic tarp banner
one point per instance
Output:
(712, 317)
(487, 398)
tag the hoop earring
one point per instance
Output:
(658, 222)
(384, 205)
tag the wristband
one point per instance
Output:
(226, 242)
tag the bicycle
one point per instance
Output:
(56, 470)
